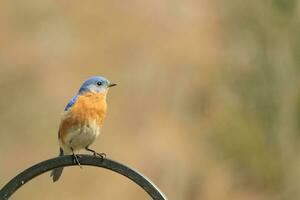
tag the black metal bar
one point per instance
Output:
(64, 161)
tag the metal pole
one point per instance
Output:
(64, 161)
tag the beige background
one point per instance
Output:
(207, 104)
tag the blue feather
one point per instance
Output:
(85, 87)
(71, 103)
(56, 173)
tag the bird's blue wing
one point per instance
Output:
(71, 103)
(68, 106)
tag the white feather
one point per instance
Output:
(80, 137)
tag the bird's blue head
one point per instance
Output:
(96, 84)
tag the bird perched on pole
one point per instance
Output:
(82, 119)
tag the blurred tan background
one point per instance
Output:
(207, 106)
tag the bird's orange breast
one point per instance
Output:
(88, 107)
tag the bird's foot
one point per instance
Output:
(101, 155)
(76, 159)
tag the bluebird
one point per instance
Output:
(82, 119)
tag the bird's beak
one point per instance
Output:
(112, 84)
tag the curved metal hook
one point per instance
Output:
(64, 161)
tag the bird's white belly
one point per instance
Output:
(81, 137)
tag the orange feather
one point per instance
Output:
(87, 108)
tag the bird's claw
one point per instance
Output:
(101, 155)
(76, 160)
(96, 154)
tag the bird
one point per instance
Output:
(82, 119)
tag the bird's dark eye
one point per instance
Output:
(99, 83)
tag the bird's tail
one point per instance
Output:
(56, 173)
